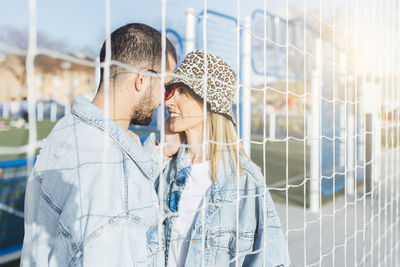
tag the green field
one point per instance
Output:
(19, 137)
(283, 160)
(277, 153)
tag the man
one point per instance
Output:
(90, 200)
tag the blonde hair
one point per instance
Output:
(221, 133)
(223, 140)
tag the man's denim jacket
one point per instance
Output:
(261, 240)
(90, 200)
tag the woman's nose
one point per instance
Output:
(169, 102)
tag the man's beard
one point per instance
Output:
(142, 114)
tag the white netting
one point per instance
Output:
(318, 110)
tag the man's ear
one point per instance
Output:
(140, 81)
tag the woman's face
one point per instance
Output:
(185, 110)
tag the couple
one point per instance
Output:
(96, 197)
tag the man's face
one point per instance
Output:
(142, 113)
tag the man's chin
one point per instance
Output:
(143, 122)
(138, 117)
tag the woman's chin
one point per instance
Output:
(174, 128)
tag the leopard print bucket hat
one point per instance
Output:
(221, 80)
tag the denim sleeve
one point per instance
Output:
(270, 248)
(40, 220)
(151, 147)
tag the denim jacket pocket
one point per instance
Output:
(153, 243)
(155, 248)
(226, 240)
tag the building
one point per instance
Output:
(55, 79)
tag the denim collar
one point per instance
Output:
(88, 112)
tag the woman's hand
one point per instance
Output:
(175, 139)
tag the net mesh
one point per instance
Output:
(318, 110)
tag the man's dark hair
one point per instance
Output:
(138, 45)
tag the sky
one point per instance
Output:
(81, 24)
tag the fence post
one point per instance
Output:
(350, 154)
(315, 184)
(190, 35)
(371, 103)
(246, 82)
(376, 134)
(67, 108)
(349, 123)
(342, 133)
(272, 124)
(278, 40)
(40, 111)
(6, 110)
(53, 111)
(368, 151)
(343, 119)
(351, 179)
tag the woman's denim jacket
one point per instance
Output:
(261, 240)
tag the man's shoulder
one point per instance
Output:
(72, 130)
(62, 130)
(70, 143)
(71, 157)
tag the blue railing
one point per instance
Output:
(12, 195)
(276, 67)
(178, 42)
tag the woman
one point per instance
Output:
(207, 182)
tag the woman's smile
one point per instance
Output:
(174, 115)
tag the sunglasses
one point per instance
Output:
(153, 71)
(169, 92)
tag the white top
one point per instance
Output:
(199, 181)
